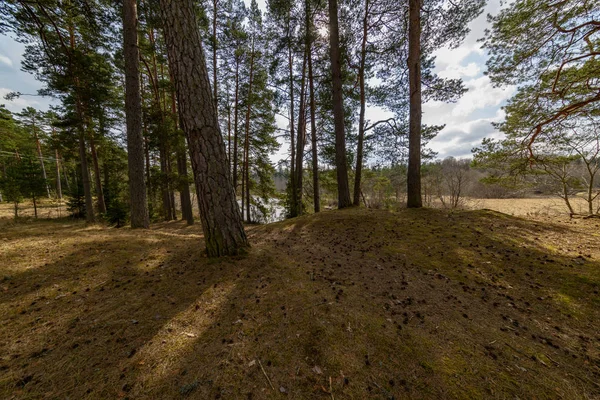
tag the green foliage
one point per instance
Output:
(76, 199)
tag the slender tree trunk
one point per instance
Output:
(58, 185)
(214, 51)
(341, 161)
(235, 125)
(247, 138)
(34, 206)
(413, 191)
(41, 157)
(313, 120)
(99, 191)
(85, 178)
(301, 136)
(133, 113)
(229, 134)
(85, 173)
(361, 122)
(64, 170)
(183, 184)
(220, 215)
(292, 181)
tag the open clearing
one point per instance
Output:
(349, 304)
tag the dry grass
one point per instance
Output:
(530, 207)
(363, 304)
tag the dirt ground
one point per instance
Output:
(352, 304)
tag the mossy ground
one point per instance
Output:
(348, 304)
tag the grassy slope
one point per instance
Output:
(367, 304)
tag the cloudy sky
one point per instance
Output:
(467, 121)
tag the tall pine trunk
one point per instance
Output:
(214, 51)
(97, 177)
(341, 161)
(292, 181)
(313, 121)
(221, 219)
(246, 176)
(361, 121)
(41, 157)
(58, 185)
(300, 139)
(413, 181)
(133, 114)
(235, 124)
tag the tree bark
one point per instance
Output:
(133, 114)
(85, 178)
(413, 180)
(41, 157)
(246, 176)
(361, 121)
(300, 139)
(220, 215)
(58, 185)
(214, 51)
(313, 121)
(99, 191)
(341, 161)
(235, 124)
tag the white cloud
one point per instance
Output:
(6, 61)
(481, 95)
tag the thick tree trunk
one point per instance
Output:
(361, 121)
(413, 181)
(220, 215)
(99, 191)
(341, 161)
(313, 121)
(133, 114)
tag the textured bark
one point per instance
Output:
(221, 219)
(341, 161)
(361, 121)
(133, 114)
(414, 135)
(313, 121)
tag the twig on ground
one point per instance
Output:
(266, 376)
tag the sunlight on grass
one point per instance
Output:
(161, 356)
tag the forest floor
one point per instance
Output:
(351, 304)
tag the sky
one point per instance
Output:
(466, 122)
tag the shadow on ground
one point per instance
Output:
(355, 304)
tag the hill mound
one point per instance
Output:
(347, 304)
